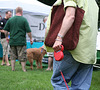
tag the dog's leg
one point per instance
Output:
(31, 63)
(37, 64)
(40, 63)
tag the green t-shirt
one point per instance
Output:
(17, 26)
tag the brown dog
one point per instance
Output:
(35, 54)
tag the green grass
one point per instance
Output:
(95, 85)
(36, 79)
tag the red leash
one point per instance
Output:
(58, 57)
(64, 80)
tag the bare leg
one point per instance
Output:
(6, 59)
(23, 66)
(3, 62)
(50, 63)
(13, 65)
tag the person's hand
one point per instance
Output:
(7, 39)
(2, 31)
(8, 33)
(57, 44)
(31, 41)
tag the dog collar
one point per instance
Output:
(41, 50)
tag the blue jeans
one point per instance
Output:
(79, 74)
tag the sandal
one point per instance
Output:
(3, 64)
(48, 69)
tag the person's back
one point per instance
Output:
(18, 28)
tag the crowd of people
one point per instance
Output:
(17, 26)
(17, 39)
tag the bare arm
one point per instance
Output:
(6, 33)
(30, 36)
(46, 31)
(67, 23)
(2, 31)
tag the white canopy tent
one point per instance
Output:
(34, 12)
(28, 5)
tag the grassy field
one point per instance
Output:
(36, 79)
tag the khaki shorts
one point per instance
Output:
(18, 52)
(4, 46)
(50, 54)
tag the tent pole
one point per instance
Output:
(13, 12)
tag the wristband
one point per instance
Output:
(58, 40)
(60, 35)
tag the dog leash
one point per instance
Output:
(58, 57)
(64, 79)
